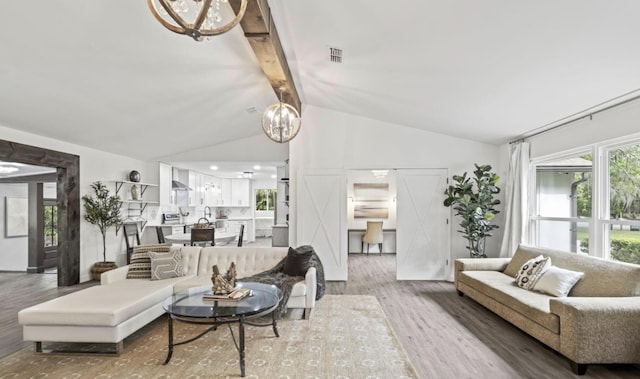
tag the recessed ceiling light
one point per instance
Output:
(213, 167)
(256, 167)
(274, 176)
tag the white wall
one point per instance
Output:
(94, 165)
(335, 140)
(617, 122)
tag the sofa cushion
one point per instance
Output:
(166, 265)
(297, 262)
(500, 287)
(106, 305)
(249, 260)
(520, 257)
(557, 281)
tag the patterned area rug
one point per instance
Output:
(348, 336)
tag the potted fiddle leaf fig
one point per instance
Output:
(102, 210)
(473, 200)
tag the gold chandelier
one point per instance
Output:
(281, 122)
(196, 18)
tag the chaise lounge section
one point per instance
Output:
(110, 312)
(598, 323)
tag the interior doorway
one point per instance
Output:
(67, 202)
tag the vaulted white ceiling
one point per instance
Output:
(106, 74)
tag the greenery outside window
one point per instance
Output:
(266, 199)
(50, 223)
(599, 212)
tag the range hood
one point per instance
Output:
(176, 184)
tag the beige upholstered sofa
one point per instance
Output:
(599, 322)
(119, 306)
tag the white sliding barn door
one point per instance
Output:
(422, 235)
(321, 218)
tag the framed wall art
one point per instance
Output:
(371, 200)
(16, 217)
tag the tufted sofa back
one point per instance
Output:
(249, 260)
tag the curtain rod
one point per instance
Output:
(589, 112)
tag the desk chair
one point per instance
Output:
(373, 235)
(241, 235)
(203, 235)
(160, 234)
(131, 236)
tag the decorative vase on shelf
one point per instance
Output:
(134, 192)
(134, 176)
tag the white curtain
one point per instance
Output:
(516, 225)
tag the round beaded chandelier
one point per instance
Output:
(197, 18)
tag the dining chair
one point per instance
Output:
(131, 237)
(160, 234)
(241, 235)
(203, 236)
(373, 234)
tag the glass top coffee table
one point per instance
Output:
(191, 306)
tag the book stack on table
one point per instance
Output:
(235, 295)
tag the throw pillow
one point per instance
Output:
(531, 271)
(558, 281)
(297, 262)
(139, 266)
(166, 265)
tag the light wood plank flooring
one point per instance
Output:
(448, 336)
(445, 336)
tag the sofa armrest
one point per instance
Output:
(599, 329)
(114, 275)
(479, 264)
(310, 282)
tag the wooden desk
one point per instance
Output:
(388, 242)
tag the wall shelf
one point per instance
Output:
(135, 208)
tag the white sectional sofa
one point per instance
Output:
(110, 312)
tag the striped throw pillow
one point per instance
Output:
(139, 266)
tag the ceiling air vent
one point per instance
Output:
(335, 54)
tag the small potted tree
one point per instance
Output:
(476, 205)
(103, 211)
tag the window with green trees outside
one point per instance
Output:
(266, 199)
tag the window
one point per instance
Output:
(50, 223)
(622, 235)
(266, 199)
(563, 206)
(590, 205)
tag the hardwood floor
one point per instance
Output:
(445, 336)
(448, 336)
(19, 291)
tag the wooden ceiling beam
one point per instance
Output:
(262, 35)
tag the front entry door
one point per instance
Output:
(422, 236)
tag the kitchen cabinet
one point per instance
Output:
(240, 192)
(165, 191)
(226, 191)
(196, 194)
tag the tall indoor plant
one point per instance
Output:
(473, 200)
(102, 210)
